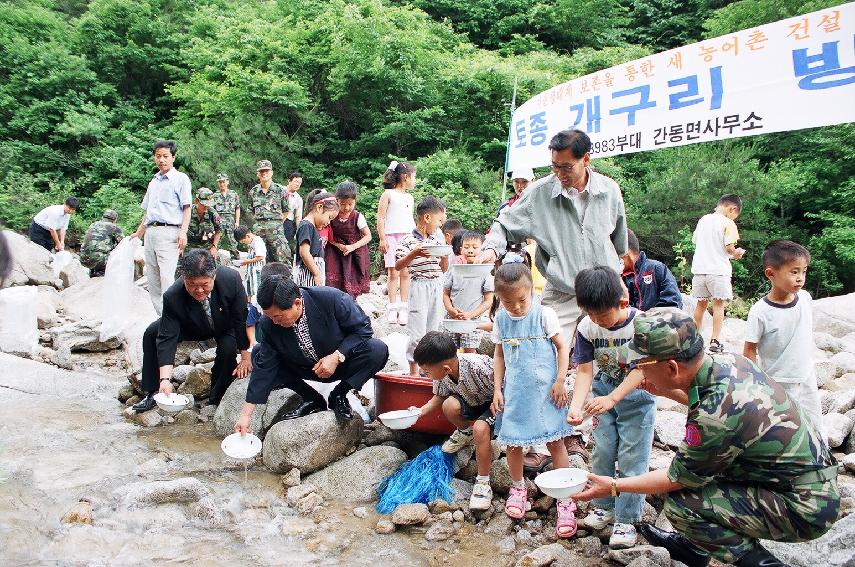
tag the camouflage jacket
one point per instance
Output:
(268, 206)
(201, 231)
(225, 205)
(101, 237)
(742, 425)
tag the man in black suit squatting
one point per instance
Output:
(310, 333)
(207, 302)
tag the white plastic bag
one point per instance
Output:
(19, 330)
(60, 260)
(118, 287)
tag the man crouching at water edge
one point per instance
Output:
(751, 465)
(310, 333)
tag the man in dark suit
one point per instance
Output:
(310, 333)
(206, 302)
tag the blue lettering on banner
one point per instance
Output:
(592, 105)
(816, 68)
(645, 102)
(537, 128)
(681, 99)
(519, 127)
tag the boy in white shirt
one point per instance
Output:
(780, 327)
(715, 240)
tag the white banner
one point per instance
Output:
(792, 74)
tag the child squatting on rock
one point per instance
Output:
(529, 399)
(463, 387)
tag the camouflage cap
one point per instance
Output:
(664, 333)
(222, 177)
(263, 164)
(110, 215)
(205, 196)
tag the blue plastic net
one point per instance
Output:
(421, 480)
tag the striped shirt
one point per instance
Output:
(421, 267)
(474, 383)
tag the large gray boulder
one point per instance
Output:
(835, 315)
(355, 477)
(73, 273)
(31, 264)
(309, 443)
(230, 406)
(90, 300)
(837, 427)
(834, 549)
(82, 336)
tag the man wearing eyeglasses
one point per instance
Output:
(577, 218)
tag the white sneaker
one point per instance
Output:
(482, 496)
(623, 536)
(402, 317)
(598, 518)
(392, 314)
(457, 441)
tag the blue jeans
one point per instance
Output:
(623, 434)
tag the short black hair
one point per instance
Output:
(294, 174)
(731, 199)
(435, 347)
(240, 233)
(72, 203)
(780, 252)
(168, 144)
(280, 291)
(578, 142)
(632, 241)
(345, 190)
(275, 269)
(509, 276)
(471, 235)
(598, 288)
(452, 226)
(430, 205)
(198, 262)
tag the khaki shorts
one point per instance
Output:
(707, 286)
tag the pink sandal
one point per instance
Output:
(565, 524)
(517, 499)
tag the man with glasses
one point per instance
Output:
(577, 218)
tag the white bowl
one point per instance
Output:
(459, 325)
(399, 419)
(239, 446)
(561, 483)
(439, 250)
(171, 403)
(472, 270)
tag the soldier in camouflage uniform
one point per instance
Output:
(205, 226)
(751, 465)
(227, 205)
(101, 237)
(270, 206)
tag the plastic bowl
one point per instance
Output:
(459, 325)
(239, 446)
(561, 483)
(439, 250)
(472, 270)
(399, 419)
(171, 403)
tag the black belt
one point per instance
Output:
(161, 224)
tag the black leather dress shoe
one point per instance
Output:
(341, 407)
(678, 546)
(304, 409)
(144, 404)
(760, 557)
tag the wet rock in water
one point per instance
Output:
(185, 489)
(542, 556)
(384, 526)
(355, 477)
(439, 531)
(296, 493)
(202, 356)
(501, 525)
(309, 502)
(658, 555)
(295, 526)
(31, 264)
(410, 514)
(80, 513)
(506, 545)
(290, 478)
(833, 548)
(589, 546)
(82, 336)
(196, 382)
(309, 443)
(378, 435)
(670, 427)
(186, 417)
(207, 511)
(360, 512)
(837, 427)
(151, 418)
(125, 392)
